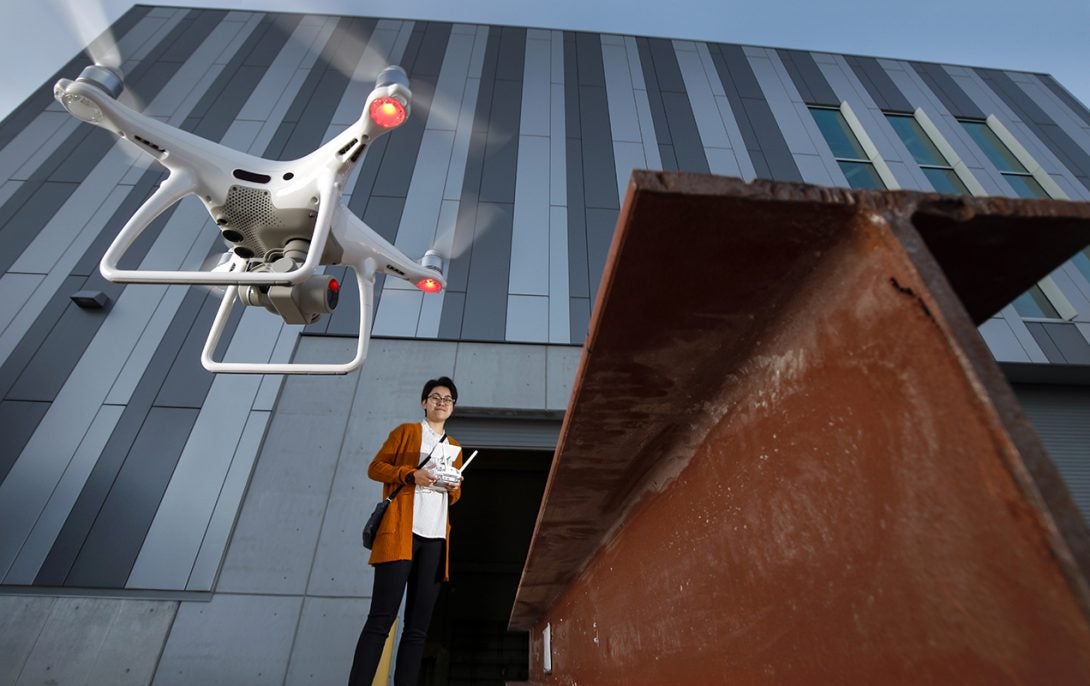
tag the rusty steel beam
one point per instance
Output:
(789, 457)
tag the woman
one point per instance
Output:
(411, 544)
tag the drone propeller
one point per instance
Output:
(450, 244)
(87, 22)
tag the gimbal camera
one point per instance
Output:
(280, 220)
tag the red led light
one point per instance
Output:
(387, 112)
(429, 285)
(334, 286)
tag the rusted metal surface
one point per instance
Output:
(790, 458)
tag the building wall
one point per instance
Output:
(126, 466)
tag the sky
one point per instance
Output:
(1050, 36)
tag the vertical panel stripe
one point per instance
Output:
(1048, 131)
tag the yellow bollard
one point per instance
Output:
(382, 675)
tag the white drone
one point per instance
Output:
(280, 220)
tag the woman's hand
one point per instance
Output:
(422, 477)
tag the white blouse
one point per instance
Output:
(430, 506)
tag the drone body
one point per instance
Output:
(280, 220)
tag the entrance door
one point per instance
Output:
(468, 643)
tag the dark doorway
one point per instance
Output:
(468, 643)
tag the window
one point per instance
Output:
(849, 154)
(1016, 174)
(1081, 261)
(936, 167)
(1034, 303)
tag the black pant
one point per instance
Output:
(423, 574)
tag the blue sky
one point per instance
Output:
(1051, 36)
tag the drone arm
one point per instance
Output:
(365, 279)
(360, 242)
(179, 184)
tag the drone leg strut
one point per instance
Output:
(365, 279)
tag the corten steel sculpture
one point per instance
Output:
(789, 457)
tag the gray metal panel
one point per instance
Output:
(98, 641)
(559, 322)
(1061, 416)
(420, 219)
(688, 149)
(600, 227)
(188, 382)
(1040, 335)
(36, 205)
(948, 91)
(490, 375)
(68, 542)
(706, 114)
(530, 222)
(518, 433)
(1021, 331)
(774, 118)
(527, 318)
(199, 63)
(587, 60)
(398, 312)
(431, 309)
(114, 541)
(654, 95)
(265, 97)
(1072, 346)
(878, 84)
(486, 290)
(561, 366)
(450, 322)
(580, 319)
(45, 490)
(15, 290)
(164, 320)
(1052, 136)
(501, 152)
(578, 271)
(809, 81)
(1063, 94)
(325, 641)
(460, 154)
(599, 168)
(18, 420)
(39, 139)
(623, 119)
(47, 370)
(180, 525)
(230, 641)
(1002, 342)
(629, 156)
(211, 554)
(535, 88)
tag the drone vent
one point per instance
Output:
(249, 211)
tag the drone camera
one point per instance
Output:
(299, 304)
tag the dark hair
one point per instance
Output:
(441, 381)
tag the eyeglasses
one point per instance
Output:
(441, 399)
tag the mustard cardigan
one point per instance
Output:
(396, 460)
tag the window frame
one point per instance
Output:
(855, 127)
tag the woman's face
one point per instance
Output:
(439, 405)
